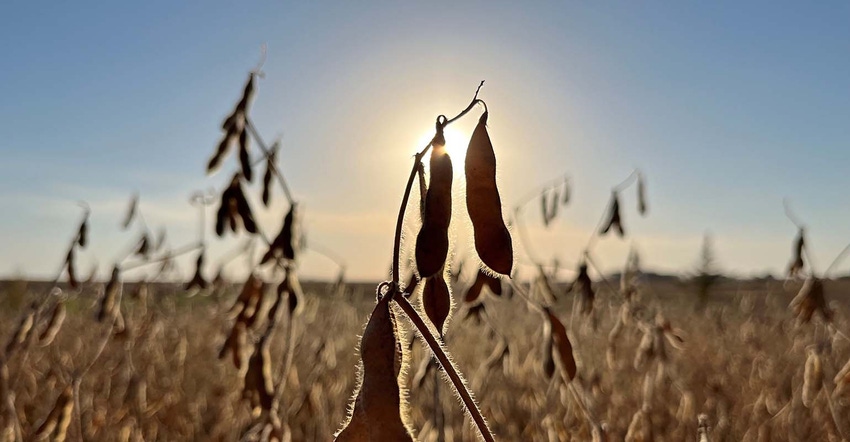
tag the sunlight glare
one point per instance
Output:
(456, 144)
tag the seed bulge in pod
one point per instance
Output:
(437, 301)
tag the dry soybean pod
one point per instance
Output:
(377, 414)
(797, 262)
(283, 244)
(72, 273)
(267, 176)
(614, 219)
(492, 238)
(245, 156)
(432, 243)
(244, 209)
(641, 194)
(562, 346)
(483, 280)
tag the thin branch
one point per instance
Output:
(523, 236)
(565, 266)
(526, 296)
(189, 248)
(594, 236)
(128, 253)
(584, 410)
(595, 268)
(837, 260)
(836, 332)
(258, 70)
(78, 377)
(448, 367)
(525, 240)
(202, 201)
(231, 255)
(789, 213)
(327, 253)
(490, 323)
(627, 182)
(400, 220)
(283, 377)
(145, 229)
(541, 189)
(267, 152)
(472, 104)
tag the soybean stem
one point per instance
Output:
(267, 152)
(541, 189)
(836, 261)
(524, 238)
(627, 182)
(786, 204)
(189, 248)
(447, 365)
(327, 253)
(593, 265)
(400, 221)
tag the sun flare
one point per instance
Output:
(456, 144)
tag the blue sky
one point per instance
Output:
(727, 108)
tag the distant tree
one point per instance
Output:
(706, 274)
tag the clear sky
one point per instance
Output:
(727, 108)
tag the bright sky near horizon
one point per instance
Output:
(727, 107)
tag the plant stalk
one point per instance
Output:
(451, 372)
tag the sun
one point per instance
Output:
(456, 144)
